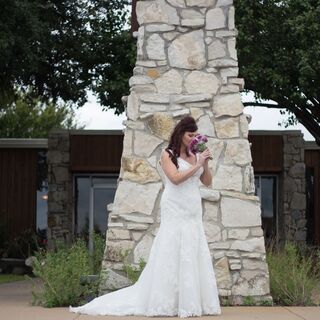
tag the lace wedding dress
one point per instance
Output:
(178, 279)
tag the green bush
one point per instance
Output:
(294, 275)
(61, 270)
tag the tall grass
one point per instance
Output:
(294, 275)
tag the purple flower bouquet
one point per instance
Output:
(198, 144)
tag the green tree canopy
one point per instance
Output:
(279, 56)
(62, 48)
(27, 118)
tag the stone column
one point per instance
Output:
(187, 65)
(60, 187)
(294, 185)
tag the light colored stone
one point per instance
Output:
(222, 3)
(137, 226)
(114, 281)
(148, 107)
(232, 48)
(209, 194)
(220, 245)
(249, 245)
(240, 213)
(127, 142)
(231, 24)
(138, 170)
(240, 195)
(215, 19)
(191, 14)
(170, 82)
(212, 231)
(248, 179)
(216, 147)
(239, 234)
(244, 126)
(155, 98)
(146, 63)
(222, 273)
(188, 51)
(227, 105)
(116, 251)
(216, 49)
(227, 73)
(118, 234)
(134, 197)
(205, 126)
(159, 28)
(192, 22)
(192, 98)
(228, 177)
(133, 218)
(252, 264)
(227, 128)
(169, 36)
(132, 109)
(238, 152)
(156, 12)
(223, 63)
(161, 125)
(210, 211)
(256, 232)
(135, 125)
(142, 249)
(196, 113)
(145, 144)
(201, 82)
(200, 3)
(140, 42)
(231, 88)
(226, 33)
(139, 80)
(155, 47)
(258, 286)
(177, 3)
(179, 113)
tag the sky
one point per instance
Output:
(92, 116)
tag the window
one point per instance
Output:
(266, 188)
(92, 195)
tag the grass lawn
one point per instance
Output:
(5, 278)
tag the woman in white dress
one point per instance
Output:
(178, 279)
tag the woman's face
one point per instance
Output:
(187, 137)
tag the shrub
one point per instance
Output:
(61, 270)
(294, 277)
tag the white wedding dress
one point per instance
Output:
(178, 279)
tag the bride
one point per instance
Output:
(178, 279)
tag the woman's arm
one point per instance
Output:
(206, 177)
(171, 171)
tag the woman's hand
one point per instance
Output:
(204, 157)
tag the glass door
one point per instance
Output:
(92, 195)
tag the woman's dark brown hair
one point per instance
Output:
(185, 124)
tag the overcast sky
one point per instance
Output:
(93, 117)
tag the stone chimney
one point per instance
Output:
(187, 65)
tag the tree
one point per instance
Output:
(279, 56)
(60, 49)
(27, 118)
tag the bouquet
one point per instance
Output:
(198, 144)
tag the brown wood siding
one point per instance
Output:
(312, 159)
(267, 153)
(18, 189)
(96, 153)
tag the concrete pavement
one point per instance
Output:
(15, 304)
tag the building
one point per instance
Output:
(63, 185)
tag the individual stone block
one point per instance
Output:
(201, 82)
(156, 12)
(155, 48)
(228, 177)
(227, 105)
(200, 3)
(170, 82)
(188, 51)
(161, 125)
(240, 213)
(238, 152)
(227, 128)
(215, 19)
(249, 245)
(216, 50)
(134, 197)
(222, 273)
(205, 126)
(115, 251)
(132, 109)
(145, 144)
(142, 249)
(212, 231)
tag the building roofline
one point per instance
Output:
(30, 143)
(311, 145)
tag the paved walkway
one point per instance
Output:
(15, 298)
